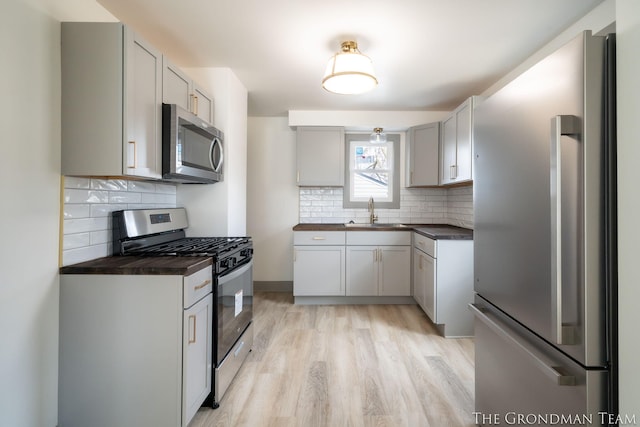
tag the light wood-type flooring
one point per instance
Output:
(347, 365)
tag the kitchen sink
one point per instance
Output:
(375, 225)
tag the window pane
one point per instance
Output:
(370, 157)
(370, 184)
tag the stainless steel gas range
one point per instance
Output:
(161, 232)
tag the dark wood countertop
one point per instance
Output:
(167, 265)
(444, 232)
(433, 231)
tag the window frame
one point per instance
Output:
(394, 139)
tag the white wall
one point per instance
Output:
(220, 209)
(628, 46)
(29, 223)
(272, 199)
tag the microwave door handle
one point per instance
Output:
(214, 143)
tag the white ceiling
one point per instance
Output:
(428, 54)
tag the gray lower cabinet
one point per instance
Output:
(319, 263)
(443, 282)
(135, 350)
(378, 263)
(111, 102)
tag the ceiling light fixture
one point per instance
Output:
(378, 137)
(349, 72)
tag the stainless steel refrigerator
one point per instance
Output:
(544, 242)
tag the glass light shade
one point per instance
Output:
(349, 73)
(378, 137)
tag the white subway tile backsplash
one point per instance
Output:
(124, 197)
(76, 182)
(417, 206)
(73, 195)
(76, 211)
(166, 189)
(88, 203)
(79, 240)
(109, 184)
(82, 225)
(142, 187)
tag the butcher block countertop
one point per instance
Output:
(433, 231)
(167, 265)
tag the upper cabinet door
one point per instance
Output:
(178, 88)
(143, 111)
(457, 145)
(111, 101)
(202, 103)
(423, 155)
(320, 156)
(176, 85)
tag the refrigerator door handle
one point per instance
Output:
(565, 125)
(553, 372)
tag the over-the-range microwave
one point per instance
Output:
(192, 149)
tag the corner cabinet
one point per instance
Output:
(320, 156)
(378, 263)
(443, 283)
(178, 88)
(318, 263)
(134, 349)
(422, 157)
(457, 145)
(111, 102)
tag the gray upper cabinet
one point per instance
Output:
(111, 102)
(423, 143)
(457, 145)
(179, 89)
(320, 156)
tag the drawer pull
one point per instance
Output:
(192, 340)
(202, 285)
(319, 238)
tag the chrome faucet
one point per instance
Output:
(372, 216)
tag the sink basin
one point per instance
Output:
(374, 225)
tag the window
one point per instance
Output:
(372, 170)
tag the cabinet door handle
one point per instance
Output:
(411, 177)
(319, 238)
(453, 173)
(297, 176)
(194, 104)
(135, 157)
(192, 340)
(202, 285)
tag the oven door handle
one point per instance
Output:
(235, 273)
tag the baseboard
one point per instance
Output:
(273, 286)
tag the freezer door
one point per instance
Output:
(538, 200)
(521, 380)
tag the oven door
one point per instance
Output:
(234, 308)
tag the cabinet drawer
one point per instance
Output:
(318, 238)
(197, 286)
(379, 238)
(425, 244)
